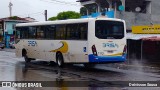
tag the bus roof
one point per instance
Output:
(64, 21)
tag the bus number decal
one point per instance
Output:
(110, 45)
(32, 43)
(100, 53)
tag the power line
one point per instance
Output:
(63, 2)
(60, 2)
(37, 13)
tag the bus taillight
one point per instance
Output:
(94, 51)
(125, 49)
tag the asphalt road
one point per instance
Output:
(75, 77)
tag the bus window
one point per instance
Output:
(60, 32)
(109, 29)
(83, 28)
(32, 32)
(50, 31)
(73, 32)
(18, 36)
(40, 32)
(23, 32)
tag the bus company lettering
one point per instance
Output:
(110, 45)
(32, 43)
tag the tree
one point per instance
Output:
(14, 17)
(52, 18)
(66, 15)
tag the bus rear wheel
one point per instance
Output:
(59, 60)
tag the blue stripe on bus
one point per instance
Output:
(94, 59)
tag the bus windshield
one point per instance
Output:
(109, 29)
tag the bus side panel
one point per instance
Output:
(91, 36)
(19, 47)
(77, 52)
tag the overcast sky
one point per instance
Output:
(35, 8)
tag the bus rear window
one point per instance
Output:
(109, 29)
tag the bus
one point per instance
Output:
(84, 41)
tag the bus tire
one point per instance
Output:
(27, 60)
(24, 54)
(60, 60)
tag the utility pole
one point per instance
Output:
(45, 14)
(10, 8)
(115, 9)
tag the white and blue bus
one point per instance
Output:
(90, 40)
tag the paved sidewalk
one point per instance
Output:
(8, 50)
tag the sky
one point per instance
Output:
(35, 8)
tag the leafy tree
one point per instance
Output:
(14, 17)
(66, 15)
(52, 18)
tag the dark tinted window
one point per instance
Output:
(50, 31)
(24, 32)
(40, 32)
(83, 28)
(55, 32)
(77, 31)
(60, 31)
(32, 32)
(72, 31)
(109, 29)
(18, 34)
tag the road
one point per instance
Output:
(15, 69)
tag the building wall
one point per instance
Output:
(9, 35)
(9, 27)
(151, 15)
(133, 18)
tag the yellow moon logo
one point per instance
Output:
(63, 48)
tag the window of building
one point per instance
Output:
(13, 26)
(139, 6)
(0, 27)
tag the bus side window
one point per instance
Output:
(18, 36)
(50, 31)
(73, 32)
(32, 32)
(60, 31)
(83, 28)
(40, 32)
(24, 32)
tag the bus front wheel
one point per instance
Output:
(24, 54)
(59, 60)
(27, 60)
